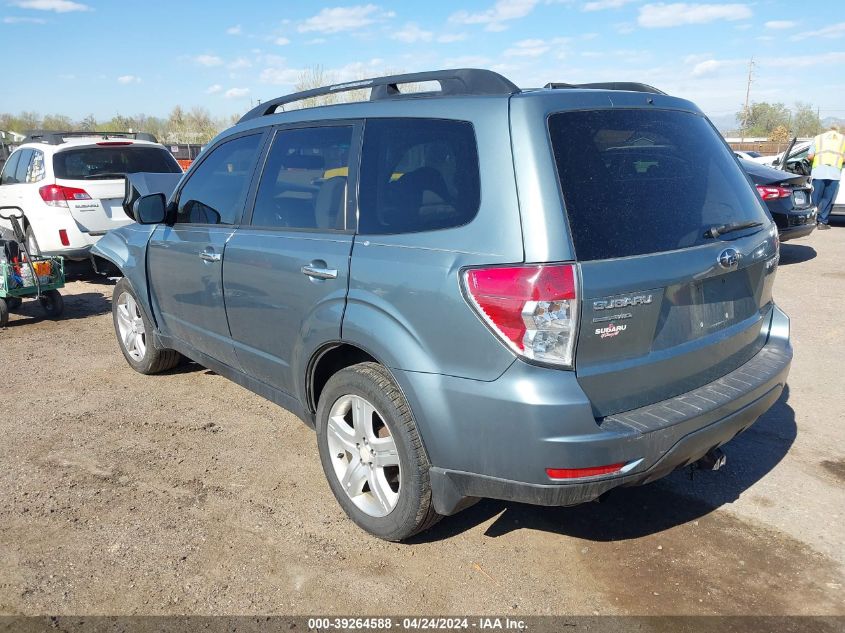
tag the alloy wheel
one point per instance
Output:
(364, 455)
(130, 326)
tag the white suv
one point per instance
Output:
(71, 185)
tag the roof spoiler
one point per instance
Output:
(629, 86)
(53, 137)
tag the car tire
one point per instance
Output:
(4, 313)
(133, 329)
(363, 415)
(52, 303)
(13, 303)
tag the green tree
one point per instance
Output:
(805, 120)
(763, 118)
(58, 122)
(88, 124)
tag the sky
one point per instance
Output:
(126, 57)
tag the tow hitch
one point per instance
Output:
(714, 459)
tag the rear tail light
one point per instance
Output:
(63, 237)
(533, 309)
(575, 473)
(113, 143)
(773, 193)
(58, 196)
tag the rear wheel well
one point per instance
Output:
(328, 363)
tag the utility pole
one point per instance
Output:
(747, 96)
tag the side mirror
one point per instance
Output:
(150, 209)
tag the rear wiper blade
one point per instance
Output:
(105, 175)
(721, 229)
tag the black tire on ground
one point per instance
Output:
(414, 511)
(154, 360)
(13, 303)
(52, 303)
(4, 313)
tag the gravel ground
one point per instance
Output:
(184, 493)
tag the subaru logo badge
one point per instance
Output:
(728, 258)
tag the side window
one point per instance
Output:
(8, 176)
(304, 181)
(23, 165)
(418, 175)
(35, 171)
(215, 192)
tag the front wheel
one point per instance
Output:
(52, 303)
(134, 333)
(372, 454)
(4, 313)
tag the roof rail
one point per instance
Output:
(53, 137)
(630, 86)
(459, 81)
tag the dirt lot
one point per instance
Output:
(184, 493)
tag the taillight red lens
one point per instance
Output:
(574, 473)
(63, 237)
(58, 196)
(115, 143)
(532, 308)
(772, 193)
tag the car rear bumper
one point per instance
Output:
(794, 232)
(498, 447)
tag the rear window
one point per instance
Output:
(646, 181)
(102, 163)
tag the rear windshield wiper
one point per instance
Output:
(721, 229)
(105, 175)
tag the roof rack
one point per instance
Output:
(459, 81)
(630, 86)
(53, 137)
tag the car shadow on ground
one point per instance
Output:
(629, 513)
(78, 306)
(796, 254)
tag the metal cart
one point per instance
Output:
(25, 272)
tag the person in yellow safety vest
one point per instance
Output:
(827, 153)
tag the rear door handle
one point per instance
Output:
(208, 255)
(318, 272)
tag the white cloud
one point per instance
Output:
(128, 79)
(831, 32)
(780, 24)
(281, 41)
(234, 30)
(706, 68)
(448, 38)
(279, 76)
(240, 62)
(317, 40)
(467, 61)
(495, 17)
(16, 20)
(601, 5)
(803, 61)
(661, 15)
(208, 60)
(337, 19)
(214, 89)
(411, 33)
(534, 47)
(59, 6)
(236, 93)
